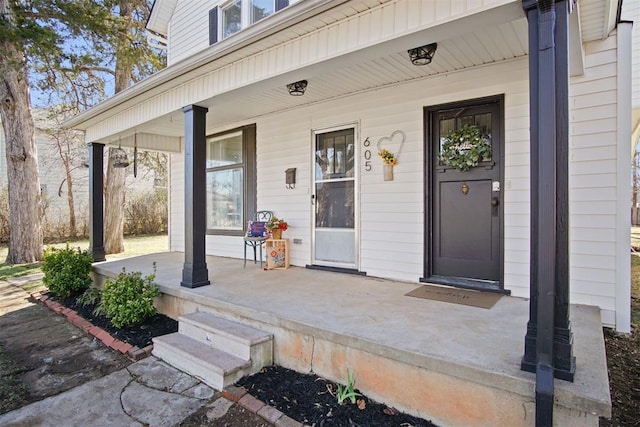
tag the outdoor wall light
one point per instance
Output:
(422, 55)
(297, 88)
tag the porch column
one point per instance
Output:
(96, 205)
(194, 271)
(549, 341)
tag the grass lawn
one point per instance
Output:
(133, 246)
(635, 289)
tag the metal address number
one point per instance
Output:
(367, 155)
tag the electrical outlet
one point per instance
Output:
(297, 241)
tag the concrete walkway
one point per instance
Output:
(66, 368)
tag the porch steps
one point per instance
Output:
(216, 350)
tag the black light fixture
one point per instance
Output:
(422, 55)
(297, 88)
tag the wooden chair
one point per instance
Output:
(256, 234)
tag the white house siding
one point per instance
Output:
(391, 214)
(593, 178)
(188, 29)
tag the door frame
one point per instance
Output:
(429, 113)
(355, 267)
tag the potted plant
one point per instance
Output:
(465, 148)
(390, 160)
(276, 226)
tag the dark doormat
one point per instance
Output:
(456, 296)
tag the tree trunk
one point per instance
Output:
(73, 229)
(114, 207)
(25, 203)
(114, 199)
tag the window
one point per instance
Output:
(231, 18)
(230, 180)
(238, 14)
(260, 9)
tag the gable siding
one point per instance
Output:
(189, 29)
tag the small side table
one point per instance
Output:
(277, 251)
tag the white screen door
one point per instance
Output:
(334, 199)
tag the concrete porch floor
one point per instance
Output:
(452, 364)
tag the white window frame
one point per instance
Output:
(245, 16)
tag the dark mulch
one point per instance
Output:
(623, 360)
(309, 399)
(139, 335)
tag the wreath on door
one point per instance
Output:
(465, 148)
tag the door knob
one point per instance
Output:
(495, 201)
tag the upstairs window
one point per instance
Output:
(260, 9)
(232, 16)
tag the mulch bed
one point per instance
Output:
(138, 335)
(308, 399)
(623, 360)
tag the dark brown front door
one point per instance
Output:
(464, 240)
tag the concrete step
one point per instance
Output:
(240, 340)
(214, 367)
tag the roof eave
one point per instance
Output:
(283, 19)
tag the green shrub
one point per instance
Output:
(66, 271)
(128, 299)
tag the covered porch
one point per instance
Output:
(450, 363)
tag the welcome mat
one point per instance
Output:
(456, 296)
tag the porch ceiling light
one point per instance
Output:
(422, 55)
(297, 88)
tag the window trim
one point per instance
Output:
(217, 13)
(249, 181)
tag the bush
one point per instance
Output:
(146, 213)
(128, 300)
(66, 271)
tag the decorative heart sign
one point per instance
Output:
(397, 138)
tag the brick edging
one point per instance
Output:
(234, 393)
(133, 352)
(270, 414)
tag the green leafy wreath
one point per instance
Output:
(464, 148)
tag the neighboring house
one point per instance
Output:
(53, 177)
(364, 94)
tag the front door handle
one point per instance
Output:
(495, 201)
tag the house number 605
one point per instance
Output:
(367, 155)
